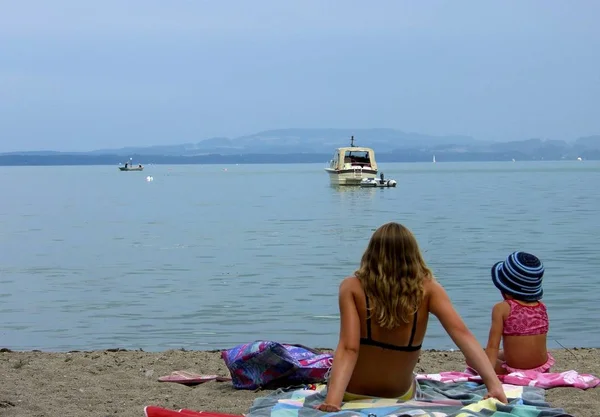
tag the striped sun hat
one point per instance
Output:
(520, 276)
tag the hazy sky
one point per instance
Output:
(81, 75)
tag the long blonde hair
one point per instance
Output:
(392, 271)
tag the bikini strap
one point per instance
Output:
(368, 318)
(414, 329)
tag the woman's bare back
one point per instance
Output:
(387, 357)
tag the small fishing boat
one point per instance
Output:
(129, 166)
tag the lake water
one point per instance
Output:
(204, 257)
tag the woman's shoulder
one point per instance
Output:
(431, 289)
(350, 283)
(350, 288)
(431, 285)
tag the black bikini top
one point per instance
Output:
(369, 339)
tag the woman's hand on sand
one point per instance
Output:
(497, 393)
(328, 407)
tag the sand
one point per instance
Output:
(121, 383)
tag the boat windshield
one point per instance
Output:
(357, 157)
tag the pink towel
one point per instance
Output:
(552, 379)
(531, 378)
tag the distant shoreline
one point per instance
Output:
(252, 159)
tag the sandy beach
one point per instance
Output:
(121, 383)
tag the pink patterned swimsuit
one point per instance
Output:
(526, 320)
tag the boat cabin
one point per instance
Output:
(353, 157)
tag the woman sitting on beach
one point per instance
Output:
(521, 320)
(384, 310)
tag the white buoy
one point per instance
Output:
(149, 178)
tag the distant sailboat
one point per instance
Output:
(434, 159)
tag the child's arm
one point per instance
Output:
(346, 352)
(441, 306)
(499, 313)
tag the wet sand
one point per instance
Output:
(121, 383)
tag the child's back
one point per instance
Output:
(521, 320)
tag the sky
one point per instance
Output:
(81, 75)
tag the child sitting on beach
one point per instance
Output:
(521, 320)
(384, 310)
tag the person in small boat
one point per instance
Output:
(520, 321)
(384, 309)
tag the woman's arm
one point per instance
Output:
(346, 353)
(441, 306)
(499, 313)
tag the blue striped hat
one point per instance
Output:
(520, 276)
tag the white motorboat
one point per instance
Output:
(350, 165)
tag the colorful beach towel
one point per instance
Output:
(571, 379)
(437, 399)
(264, 363)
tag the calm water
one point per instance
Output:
(206, 258)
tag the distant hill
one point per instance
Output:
(317, 145)
(295, 140)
